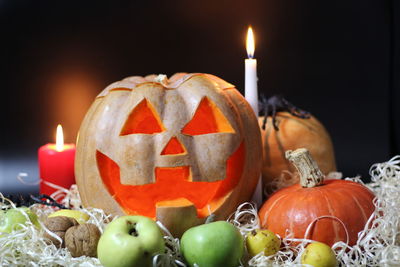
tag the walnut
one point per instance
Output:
(58, 225)
(82, 240)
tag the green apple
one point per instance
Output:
(262, 240)
(78, 215)
(130, 241)
(319, 255)
(212, 244)
(13, 218)
(2, 213)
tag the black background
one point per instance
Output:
(336, 59)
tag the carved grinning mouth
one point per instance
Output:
(171, 184)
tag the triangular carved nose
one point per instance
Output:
(173, 147)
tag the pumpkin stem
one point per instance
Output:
(163, 79)
(276, 104)
(310, 174)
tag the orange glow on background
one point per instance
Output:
(70, 96)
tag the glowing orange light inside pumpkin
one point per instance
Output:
(143, 119)
(250, 43)
(207, 119)
(173, 147)
(172, 184)
(59, 139)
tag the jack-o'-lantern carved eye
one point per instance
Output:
(143, 119)
(207, 119)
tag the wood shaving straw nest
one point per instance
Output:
(28, 246)
(378, 244)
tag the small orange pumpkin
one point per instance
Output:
(175, 150)
(328, 208)
(286, 127)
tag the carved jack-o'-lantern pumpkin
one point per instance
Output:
(174, 150)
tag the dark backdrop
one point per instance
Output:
(337, 59)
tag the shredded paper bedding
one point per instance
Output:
(378, 244)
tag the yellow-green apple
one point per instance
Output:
(13, 218)
(319, 254)
(262, 240)
(130, 241)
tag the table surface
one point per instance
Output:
(10, 169)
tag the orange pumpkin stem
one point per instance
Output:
(310, 174)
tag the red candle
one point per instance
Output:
(56, 164)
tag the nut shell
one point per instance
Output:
(58, 225)
(81, 240)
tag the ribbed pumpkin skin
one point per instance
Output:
(294, 133)
(124, 164)
(295, 207)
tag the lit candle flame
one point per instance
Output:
(250, 46)
(59, 139)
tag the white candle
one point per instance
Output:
(250, 86)
(251, 95)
